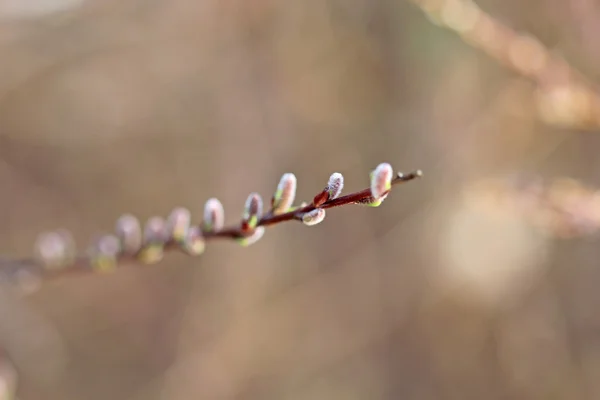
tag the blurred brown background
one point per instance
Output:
(112, 106)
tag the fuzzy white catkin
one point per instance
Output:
(285, 194)
(52, 249)
(214, 215)
(104, 253)
(129, 231)
(314, 217)
(381, 180)
(253, 206)
(335, 185)
(108, 245)
(178, 223)
(194, 242)
(155, 231)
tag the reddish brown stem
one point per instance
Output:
(15, 270)
(270, 219)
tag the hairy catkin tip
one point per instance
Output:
(253, 238)
(129, 232)
(313, 217)
(178, 223)
(105, 252)
(155, 231)
(381, 180)
(194, 243)
(54, 249)
(253, 210)
(214, 215)
(285, 195)
(155, 237)
(335, 185)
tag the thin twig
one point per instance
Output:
(31, 272)
(235, 232)
(564, 96)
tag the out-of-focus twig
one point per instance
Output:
(562, 207)
(564, 97)
(8, 378)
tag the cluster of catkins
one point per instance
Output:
(147, 244)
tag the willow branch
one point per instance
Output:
(56, 256)
(360, 197)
